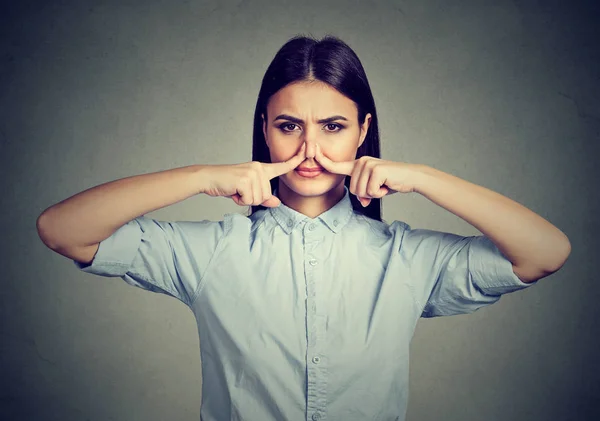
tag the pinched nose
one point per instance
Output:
(311, 149)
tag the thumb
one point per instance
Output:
(237, 199)
(365, 201)
(271, 202)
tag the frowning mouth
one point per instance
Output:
(309, 169)
(309, 172)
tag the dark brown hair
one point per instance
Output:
(332, 61)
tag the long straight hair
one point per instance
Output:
(332, 61)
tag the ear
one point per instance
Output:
(364, 128)
(264, 126)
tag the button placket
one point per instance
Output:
(316, 370)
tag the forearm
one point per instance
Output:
(94, 214)
(525, 238)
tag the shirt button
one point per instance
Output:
(316, 360)
(312, 262)
(316, 416)
(290, 223)
(312, 227)
(335, 222)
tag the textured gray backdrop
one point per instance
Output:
(502, 93)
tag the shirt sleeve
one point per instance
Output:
(165, 257)
(454, 274)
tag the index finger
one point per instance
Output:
(279, 168)
(336, 167)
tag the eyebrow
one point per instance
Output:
(300, 121)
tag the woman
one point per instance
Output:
(306, 307)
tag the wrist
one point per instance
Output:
(421, 174)
(200, 179)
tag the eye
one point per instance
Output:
(334, 126)
(283, 127)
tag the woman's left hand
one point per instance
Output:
(372, 178)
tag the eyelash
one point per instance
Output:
(281, 127)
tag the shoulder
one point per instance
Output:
(237, 223)
(378, 233)
(382, 228)
(231, 224)
(404, 236)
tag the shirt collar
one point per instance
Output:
(334, 218)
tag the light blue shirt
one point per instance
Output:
(306, 319)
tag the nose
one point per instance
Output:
(311, 149)
(310, 137)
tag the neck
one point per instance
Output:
(311, 206)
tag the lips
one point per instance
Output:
(309, 172)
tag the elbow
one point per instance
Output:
(560, 254)
(42, 225)
(563, 253)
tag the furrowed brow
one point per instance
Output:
(300, 121)
(332, 118)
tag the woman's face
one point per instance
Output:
(312, 112)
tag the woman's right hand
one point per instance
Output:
(248, 184)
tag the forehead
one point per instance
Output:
(311, 98)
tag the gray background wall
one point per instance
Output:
(501, 93)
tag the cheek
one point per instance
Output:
(341, 151)
(281, 150)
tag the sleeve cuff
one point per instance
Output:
(116, 253)
(491, 270)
